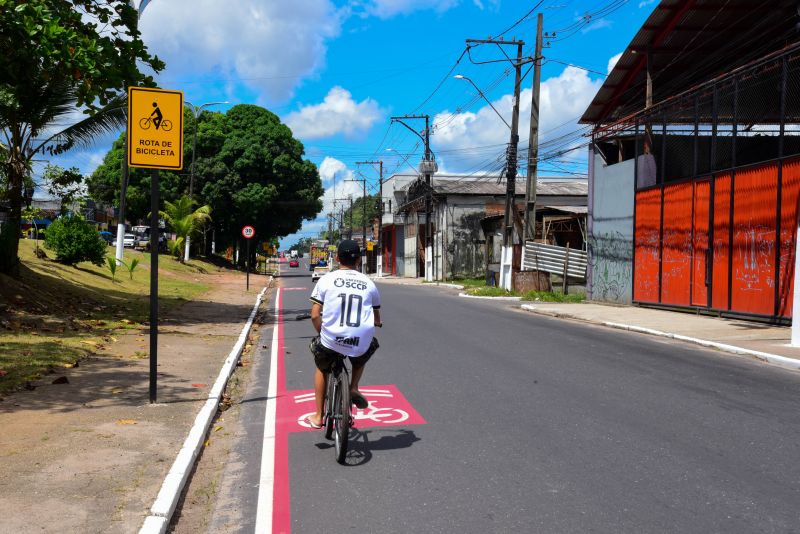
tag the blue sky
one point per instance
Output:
(335, 71)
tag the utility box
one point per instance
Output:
(524, 281)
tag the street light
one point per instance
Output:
(196, 110)
(461, 77)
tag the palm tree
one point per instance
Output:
(184, 219)
(30, 126)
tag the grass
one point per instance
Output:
(488, 291)
(470, 282)
(550, 296)
(53, 315)
(536, 296)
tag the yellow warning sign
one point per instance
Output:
(155, 128)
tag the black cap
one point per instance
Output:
(348, 251)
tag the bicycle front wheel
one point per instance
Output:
(342, 418)
(166, 125)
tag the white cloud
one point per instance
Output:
(334, 175)
(613, 61)
(337, 114)
(563, 99)
(385, 9)
(270, 46)
(336, 178)
(599, 24)
(645, 3)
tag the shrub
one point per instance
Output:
(74, 240)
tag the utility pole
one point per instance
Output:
(507, 254)
(363, 220)
(379, 255)
(350, 229)
(529, 227)
(428, 167)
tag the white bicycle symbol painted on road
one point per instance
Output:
(371, 413)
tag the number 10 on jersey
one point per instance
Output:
(347, 310)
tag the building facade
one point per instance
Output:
(694, 165)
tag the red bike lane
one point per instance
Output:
(285, 414)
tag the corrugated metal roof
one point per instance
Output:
(487, 185)
(581, 210)
(692, 41)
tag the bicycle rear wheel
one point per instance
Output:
(328, 411)
(342, 418)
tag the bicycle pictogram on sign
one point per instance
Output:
(157, 119)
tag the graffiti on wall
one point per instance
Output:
(465, 249)
(611, 257)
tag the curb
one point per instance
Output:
(774, 359)
(489, 298)
(452, 286)
(167, 499)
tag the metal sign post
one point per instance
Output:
(154, 239)
(154, 140)
(248, 232)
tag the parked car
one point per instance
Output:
(294, 263)
(142, 242)
(319, 271)
(128, 240)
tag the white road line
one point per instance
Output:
(266, 483)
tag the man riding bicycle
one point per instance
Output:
(345, 309)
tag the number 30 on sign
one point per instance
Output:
(248, 232)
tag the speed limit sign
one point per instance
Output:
(248, 232)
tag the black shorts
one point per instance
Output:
(324, 357)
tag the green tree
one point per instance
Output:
(104, 183)
(249, 170)
(184, 219)
(253, 169)
(60, 56)
(358, 213)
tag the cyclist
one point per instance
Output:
(345, 309)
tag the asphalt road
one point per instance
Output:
(531, 424)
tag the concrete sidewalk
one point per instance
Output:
(746, 338)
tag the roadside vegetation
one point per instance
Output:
(553, 296)
(53, 315)
(532, 296)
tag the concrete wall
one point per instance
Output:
(409, 255)
(611, 230)
(400, 250)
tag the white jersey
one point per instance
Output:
(348, 323)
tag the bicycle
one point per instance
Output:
(337, 413)
(145, 123)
